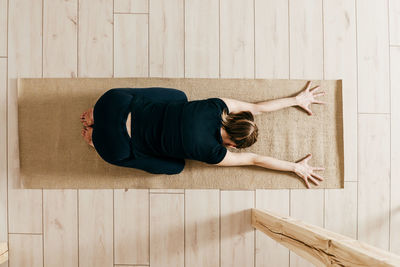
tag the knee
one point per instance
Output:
(181, 95)
(175, 170)
(168, 171)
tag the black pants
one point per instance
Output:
(111, 139)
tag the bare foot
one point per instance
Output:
(87, 117)
(87, 135)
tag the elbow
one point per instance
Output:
(254, 159)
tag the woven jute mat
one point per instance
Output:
(54, 155)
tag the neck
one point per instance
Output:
(226, 140)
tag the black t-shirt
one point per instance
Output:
(187, 129)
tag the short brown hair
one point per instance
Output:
(240, 127)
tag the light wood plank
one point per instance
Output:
(374, 179)
(308, 206)
(25, 39)
(3, 161)
(96, 227)
(95, 58)
(131, 6)
(395, 151)
(167, 230)
(95, 38)
(394, 15)
(268, 251)
(236, 39)
(237, 234)
(60, 38)
(306, 62)
(340, 62)
(202, 38)
(202, 228)
(3, 150)
(271, 39)
(306, 39)
(341, 210)
(131, 226)
(373, 56)
(166, 29)
(3, 27)
(25, 250)
(130, 45)
(60, 227)
(25, 211)
(24, 60)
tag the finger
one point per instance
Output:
(319, 94)
(313, 180)
(319, 102)
(308, 110)
(309, 156)
(307, 183)
(317, 176)
(316, 88)
(308, 86)
(318, 169)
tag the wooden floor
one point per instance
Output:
(357, 40)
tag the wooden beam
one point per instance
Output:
(3, 252)
(320, 246)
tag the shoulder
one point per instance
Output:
(217, 154)
(238, 106)
(219, 103)
(207, 106)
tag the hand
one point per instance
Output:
(307, 97)
(307, 172)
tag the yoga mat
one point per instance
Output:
(54, 155)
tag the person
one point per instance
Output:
(155, 129)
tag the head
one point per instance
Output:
(239, 129)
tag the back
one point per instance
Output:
(178, 130)
(201, 130)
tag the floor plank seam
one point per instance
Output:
(25, 234)
(358, 108)
(373, 113)
(131, 13)
(390, 127)
(77, 218)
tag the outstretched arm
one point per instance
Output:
(301, 168)
(304, 99)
